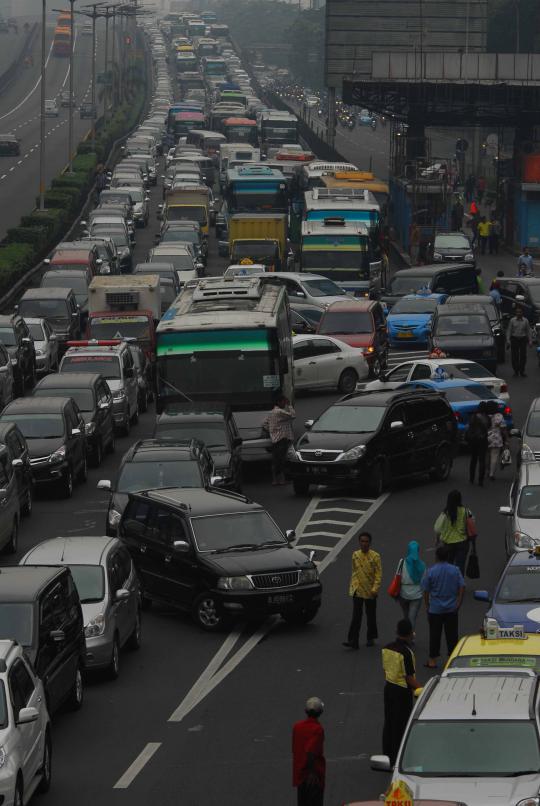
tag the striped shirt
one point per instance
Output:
(279, 424)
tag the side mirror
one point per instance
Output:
(290, 534)
(83, 223)
(57, 636)
(216, 480)
(47, 259)
(76, 432)
(17, 463)
(515, 432)
(308, 424)
(27, 715)
(381, 763)
(396, 425)
(104, 484)
(506, 511)
(519, 298)
(121, 595)
(104, 404)
(181, 546)
(481, 596)
(53, 337)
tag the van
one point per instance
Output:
(451, 278)
(58, 306)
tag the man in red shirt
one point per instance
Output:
(309, 764)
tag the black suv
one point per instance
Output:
(523, 291)
(457, 278)
(54, 431)
(40, 609)
(464, 331)
(11, 436)
(369, 439)
(94, 400)
(15, 336)
(216, 428)
(217, 555)
(486, 302)
(152, 463)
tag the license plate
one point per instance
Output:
(280, 598)
(404, 335)
(313, 469)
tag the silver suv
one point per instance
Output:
(522, 529)
(108, 588)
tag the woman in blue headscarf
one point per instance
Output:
(413, 569)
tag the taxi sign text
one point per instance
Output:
(399, 794)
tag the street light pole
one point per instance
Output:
(113, 56)
(42, 112)
(70, 120)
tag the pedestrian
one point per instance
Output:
(399, 667)
(451, 529)
(483, 234)
(520, 335)
(479, 281)
(470, 182)
(309, 763)
(497, 438)
(495, 293)
(480, 188)
(412, 571)
(477, 440)
(494, 236)
(525, 263)
(364, 588)
(443, 587)
(415, 244)
(278, 424)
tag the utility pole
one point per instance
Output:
(42, 111)
(93, 14)
(71, 92)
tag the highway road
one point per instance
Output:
(204, 720)
(20, 115)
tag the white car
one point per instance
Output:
(322, 361)
(425, 368)
(25, 733)
(51, 108)
(46, 345)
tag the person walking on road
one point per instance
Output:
(443, 587)
(410, 594)
(451, 529)
(278, 424)
(520, 335)
(364, 588)
(400, 673)
(494, 235)
(525, 263)
(309, 763)
(497, 440)
(477, 440)
(484, 228)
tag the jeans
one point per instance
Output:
(457, 554)
(356, 621)
(279, 452)
(478, 449)
(410, 608)
(518, 350)
(438, 622)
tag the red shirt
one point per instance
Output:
(308, 737)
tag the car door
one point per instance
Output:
(130, 582)
(305, 364)
(24, 694)
(48, 660)
(52, 344)
(130, 380)
(9, 499)
(23, 471)
(25, 356)
(105, 416)
(179, 568)
(75, 437)
(420, 421)
(329, 362)
(136, 531)
(119, 608)
(399, 442)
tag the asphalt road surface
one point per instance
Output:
(20, 115)
(204, 720)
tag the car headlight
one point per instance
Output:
(308, 576)
(239, 583)
(58, 456)
(469, 256)
(291, 453)
(352, 453)
(527, 454)
(95, 627)
(3, 755)
(119, 395)
(114, 517)
(524, 541)
(437, 256)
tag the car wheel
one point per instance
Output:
(443, 465)
(18, 796)
(97, 456)
(347, 381)
(376, 481)
(46, 766)
(301, 616)
(207, 613)
(13, 542)
(134, 640)
(113, 669)
(375, 368)
(67, 483)
(83, 472)
(28, 502)
(76, 695)
(300, 487)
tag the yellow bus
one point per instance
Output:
(359, 180)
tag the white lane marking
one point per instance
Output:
(3, 176)
(134, 769)
(214, 673)
(34, 88)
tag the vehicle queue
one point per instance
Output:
(307, 302)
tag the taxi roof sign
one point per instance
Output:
(399, 794)
(493, 632)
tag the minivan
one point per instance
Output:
(446, 278)
(58, 306)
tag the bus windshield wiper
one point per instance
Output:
(176, 389)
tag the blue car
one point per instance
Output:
(409, 321)
(464, 397)
(517, 594)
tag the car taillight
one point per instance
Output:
(507, 411)
(458, 417)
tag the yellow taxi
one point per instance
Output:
(496, 647)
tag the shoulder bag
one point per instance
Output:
(394, 588)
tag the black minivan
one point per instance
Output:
(217, 555)
(445, 278)
(369, 439)
(465, 332)
(40, 608)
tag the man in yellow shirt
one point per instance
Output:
(484, 229)
(365, 583)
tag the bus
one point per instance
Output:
(219, 31)
(62, 41)
(184, 121)
(348, 204)
(277, 128)
(240, 130)
(214, 66)
(312, 175)
(227, 341)
(255, 189)
(196, 28)
(359, 180)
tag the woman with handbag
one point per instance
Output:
(455, 528)
(497, 440)
(410, 593)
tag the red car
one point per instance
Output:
(362, 324)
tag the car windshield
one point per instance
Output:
(78, 284)
(323, 288)
(471, 747)
(350, 419)
(408, 284)
(313, 315)
(463, 325)
(137, 476)
(16, 622)
(213, 435)
(451, 242)
(520, 582)
(226, 531)
(44, 308)
(36, 331)
(89, 581)
(173, 235)
(7, 336)
(180, 261)
(108, 366)
(460, 394)
(37, 426)
(82, 397)
(533, 424)
(414, 306)
(348, 322)
(529, 502)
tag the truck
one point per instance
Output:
(189, 203)
(125, 306)
(258, 238)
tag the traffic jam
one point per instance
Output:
(224, 275)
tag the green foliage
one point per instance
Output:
(306, 59)
(15, 260)
(84, 163)
(36, 236)
(52, 219)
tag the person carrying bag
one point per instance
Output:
(406, 586)
(456, 528)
